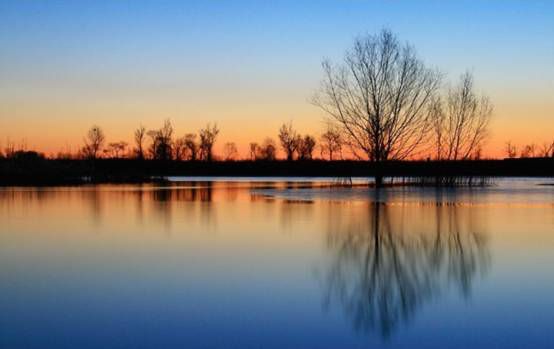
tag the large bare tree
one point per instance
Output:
(460, 121)
(379, 96)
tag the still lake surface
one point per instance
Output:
(274, 263)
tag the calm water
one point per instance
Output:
(273, 264)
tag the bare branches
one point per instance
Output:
(290, 140)
(230, 152)
(208, 136)
(140, 135)
(380, 96)
(331, 142)
(460, 121)
(94, 141)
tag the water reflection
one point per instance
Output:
(387, 263)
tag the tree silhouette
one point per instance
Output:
(139, 136)
(331, 142)
(511, 150)
(379, 97)
(290, 140)
(460, 121)
(115, 149)
(306, 147)
(268, 150)
(208, 136)
(230, 151)
(191, 147)
(161, 149)
(94, 141)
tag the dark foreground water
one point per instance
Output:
(273, 264)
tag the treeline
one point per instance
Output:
(384, 105)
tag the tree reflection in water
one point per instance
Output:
(385, 265)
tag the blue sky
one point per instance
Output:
(192, 60)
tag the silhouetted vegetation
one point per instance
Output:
(385, 108)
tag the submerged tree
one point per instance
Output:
(379, 97)
(94, 141)
(290, 140)
(460, 122)
(208, 136)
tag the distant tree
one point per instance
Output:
(528, 151)
(160, 149)
(511, 150)
(547, 150)
(380, 96)
(254, 151)
(94, 141)
(191, 147)
(306, 147)
(10, 149)
(230, 151)
(331, 142)
(208, 136)
(461, 122)
(268, 150)
(179, 149)
(289, 139)
(116, 148)
(140, 135)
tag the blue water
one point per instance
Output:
(268, 263)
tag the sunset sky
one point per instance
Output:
(250, 65)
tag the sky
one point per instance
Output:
(250, 65)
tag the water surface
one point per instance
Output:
(273, 263)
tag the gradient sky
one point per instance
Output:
(249, 65)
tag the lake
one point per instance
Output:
(277, 263)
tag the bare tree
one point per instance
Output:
(230, 151)
(268, 150)
(140, 135)
(331, 142)
(160, 149)
(511, 150)
(528, 151)
(208, 136)
(191, 148)
(94, 141)
(254, 151)
(10, 149)
(461, 122)
(179, 149)
(306, 147)
(547, 150)
(289, 139)
(115, 149)
(379, 97)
